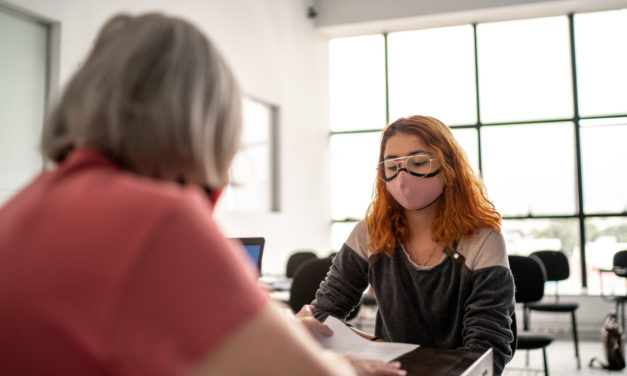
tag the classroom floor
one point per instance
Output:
(561, 360)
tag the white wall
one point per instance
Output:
(278, 57)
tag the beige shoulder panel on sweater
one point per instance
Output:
(358, 240)
(483, 249)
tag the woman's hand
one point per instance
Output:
(364, 367)
(315, 327)
(368, 367)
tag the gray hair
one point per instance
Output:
(155, 96)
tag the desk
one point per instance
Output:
(424, 361)
(439, 362)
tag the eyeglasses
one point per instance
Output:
(417, 165)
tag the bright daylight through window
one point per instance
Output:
(543, 123)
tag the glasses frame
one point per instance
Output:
(397, 161)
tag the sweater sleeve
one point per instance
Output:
(488, 315)
(490, 306)
(343, 287)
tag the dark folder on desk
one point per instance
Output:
(254, 248)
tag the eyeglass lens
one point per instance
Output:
(418, 165)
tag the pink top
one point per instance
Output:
(106, 272)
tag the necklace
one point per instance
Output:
(416, 257)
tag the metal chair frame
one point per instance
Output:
(557, 269)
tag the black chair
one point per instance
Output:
(306, 281)
(529, 278)
(619, 266)
(557, 269)
(295, 260)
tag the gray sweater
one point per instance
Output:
(464, 301)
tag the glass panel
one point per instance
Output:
(353, 167)
(357, 83)
(522, 237)
(250, 176)
(605, 237)
(603, 164)
(467, 139)
(530, 169)
(23, 48)
(432, 72)
(339, 233)
(601, 60)
(524, 70)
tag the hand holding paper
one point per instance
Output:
(345, 341)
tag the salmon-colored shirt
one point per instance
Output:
(103, 272)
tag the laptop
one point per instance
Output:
(254, 249)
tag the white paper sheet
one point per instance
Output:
(344, 340)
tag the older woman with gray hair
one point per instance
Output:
(110, 261)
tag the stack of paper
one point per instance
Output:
(344, 340)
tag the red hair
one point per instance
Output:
(463, 208)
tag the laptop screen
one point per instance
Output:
(254, 248)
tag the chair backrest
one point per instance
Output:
(307, 279)
(529, 278)
(620, 263)
(295, 260)
(555, 264)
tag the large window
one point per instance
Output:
(432, 72)
(357, 87)
(524, 70)
(538, 105)
(530, 169)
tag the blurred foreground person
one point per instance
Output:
(110, 261)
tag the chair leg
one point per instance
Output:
(546, 366)
(576, 338)
(622, 314)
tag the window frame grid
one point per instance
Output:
(581, 216)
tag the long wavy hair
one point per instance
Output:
(463, 208)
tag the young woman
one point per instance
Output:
(110, 262)
(430, 247)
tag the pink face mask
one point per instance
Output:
(413, 192)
